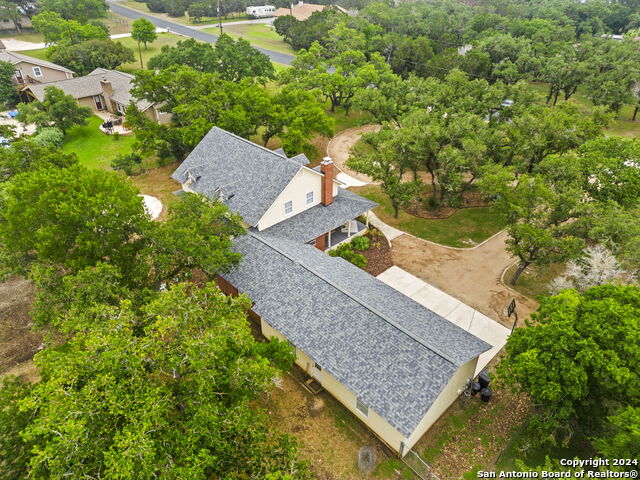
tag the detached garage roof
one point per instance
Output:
(390, 351)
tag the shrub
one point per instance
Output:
(344, 251)
(116, 136)
(360, 243)
(156, 6)
(127, 163)
(49, 136)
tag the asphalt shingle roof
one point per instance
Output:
(315, 221)
(89, 85)
(391, 352)
(15, 58)
(250, 177)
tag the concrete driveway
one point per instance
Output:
(450, 308)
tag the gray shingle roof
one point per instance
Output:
(393, 353)
(311, 223)
(301, 159)
(15, 58)
(249, 176)
(89, 85)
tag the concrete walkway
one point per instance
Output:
(450, 308)
(15, 45)
(389, 231)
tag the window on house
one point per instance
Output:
(37, 72)
(121, 108)
(309, 197)
(288, 207)
(362, 407)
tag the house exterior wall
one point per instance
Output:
(450, 393)
(306, 180)
(88, 102)
(157, 116)
(48, 74)
(373, 421)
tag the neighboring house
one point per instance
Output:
(302, 10)
(263, 11)
(32, 71)
(392, 362)
(101, 90)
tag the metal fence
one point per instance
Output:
(419, 466)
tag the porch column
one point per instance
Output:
(329, 239)
(367, 217)
(348, 228)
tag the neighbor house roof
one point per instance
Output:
(89, 85)
(15, 58)
(313, 222)
(391, 352)
(247, 176)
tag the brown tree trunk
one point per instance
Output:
(635, 112)
(516, 275)
(395, 210)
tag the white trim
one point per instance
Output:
(39, 74)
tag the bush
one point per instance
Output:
(156, 6)
(128, 163)
(345, 251)
(174, 8)
(116, 136)
(49, 136)
(360, 243)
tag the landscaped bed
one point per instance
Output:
(465, 228)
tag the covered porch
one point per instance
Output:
(345, 233)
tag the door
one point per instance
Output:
(19, 77)
(316, 372)
(99, 102)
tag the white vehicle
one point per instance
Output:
(264, 11)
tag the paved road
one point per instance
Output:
(189, 32)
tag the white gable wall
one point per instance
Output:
(306, 180)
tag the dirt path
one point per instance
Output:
(339, 149)
(470, 275)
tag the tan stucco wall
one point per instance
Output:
(306, 180)
(48, 74)
(87, 102)
(450, 393)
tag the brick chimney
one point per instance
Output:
(328, 174)
(106, 87)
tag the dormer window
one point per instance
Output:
(309, 198)
(288, 207)
(37, 72)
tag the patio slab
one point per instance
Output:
(450, 308)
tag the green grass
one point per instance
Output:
(535, 281)
(184, 19)
(465, 228)
(257, 34)
(579, 446)
(40, 53)
(622, 125)
(152, 49)
(27, 35)
(94, 148)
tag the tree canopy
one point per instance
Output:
(56, 109)
(578, 360)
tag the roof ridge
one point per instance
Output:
(357, 300)
(215, 127)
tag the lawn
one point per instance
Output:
(27, 35)
(535, 280)
(465, 228)
(151, 50)
(622, 125)
(257, 34)
(184, 19)
(94, 148)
